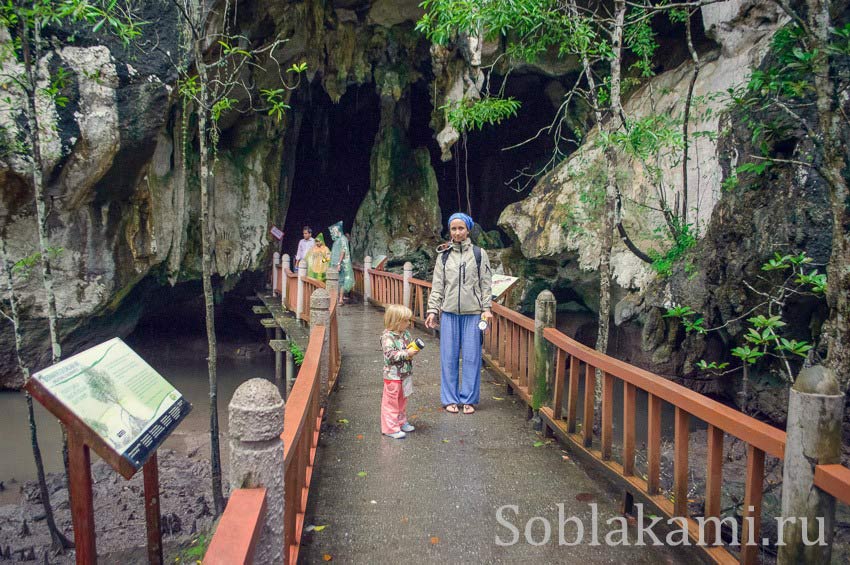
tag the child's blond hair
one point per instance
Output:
(396, 317)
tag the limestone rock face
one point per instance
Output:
(554, 218)
(123, 178)
(400, 216)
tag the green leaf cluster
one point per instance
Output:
(469, 115)
(297, 353)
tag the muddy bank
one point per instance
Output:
(186, 502)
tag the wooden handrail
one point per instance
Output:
(835, 480)
(515, 317)
(298, 400)
(386, 274)
(763, 436)
(239, 529)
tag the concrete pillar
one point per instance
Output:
(813, 437)
(408, 274)
(320, 303)
(275, 272)
(544, 317)
(367, 280)
(284, 261)
(278, 362)
(290, 368)
(299, 297)
(256, 457)
(332, 282)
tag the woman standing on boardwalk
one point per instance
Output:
(461, 290)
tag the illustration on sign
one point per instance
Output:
(119, 396)
(501, 284)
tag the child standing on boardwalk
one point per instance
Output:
(398, 369)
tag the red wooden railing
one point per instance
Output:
(239, 529)
(236, 536)
(358, 280)
(301, 424)
(509, 349)
(388, 288)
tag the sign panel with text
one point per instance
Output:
(117, 398)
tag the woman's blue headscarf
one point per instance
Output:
(461, 216)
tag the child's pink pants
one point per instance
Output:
(393, 407)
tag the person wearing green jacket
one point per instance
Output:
(461, 291)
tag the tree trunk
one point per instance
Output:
(836, 328)
(609, 219)
(58, 540)
(37, 174)
(206, 261)
(688, 101)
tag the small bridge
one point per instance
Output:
(487, 487)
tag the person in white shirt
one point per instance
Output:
(304, 245)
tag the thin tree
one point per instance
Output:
(59, 542)
(20, 74)
(210, 81)
(599, 39)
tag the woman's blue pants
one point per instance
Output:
(460, 336)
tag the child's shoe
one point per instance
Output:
(397, 435)
(408, 427)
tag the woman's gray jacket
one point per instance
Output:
(456, 286)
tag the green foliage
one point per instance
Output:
(23, 267)
(227, 50)
(702, 365)
(747, 354)
(275, 99)
(189, 86)
(685, 238)
(649, 136)
(222, 105)
(762, 337)
(469, 115)
(195, 551)
(297, 353)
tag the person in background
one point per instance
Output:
(460, 298)
(318, 259)
(304, 245)
(341, 259)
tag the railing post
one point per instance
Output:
(284, 265)
(367, 280)
(280, 346)
(299, 297)
(332, 282)
(408, 274)
(256, 457)
(320, 303)
(290, 368)
(275, 272)
(815, 412)
(544, 317)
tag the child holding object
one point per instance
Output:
(399, 350)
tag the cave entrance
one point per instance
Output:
(333, 150)
(498, 176)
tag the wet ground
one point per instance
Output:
(436, 495)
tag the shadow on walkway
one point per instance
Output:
(434, 496)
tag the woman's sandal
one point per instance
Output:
(452, 408)
(468, 409)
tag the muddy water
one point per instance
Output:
(184, 367)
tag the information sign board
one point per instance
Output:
(114, 400)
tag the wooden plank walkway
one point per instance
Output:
(434, 496)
